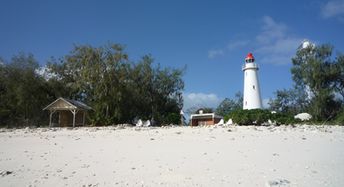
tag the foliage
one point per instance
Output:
(314, 71)
(249, 117)
(281, 118)
(172, 118)
(228, 105)
(340, 118)
(196, 110)
(290, 101)
(259, 117)
(117, 89)
(205, 110)
(338, 69)
(23, 93)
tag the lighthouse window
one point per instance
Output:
(254, 87)
(245, 103)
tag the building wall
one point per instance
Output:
(208, 121)
(66, 118)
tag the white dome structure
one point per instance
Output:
(305, 44)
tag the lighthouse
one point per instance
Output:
(252, 98)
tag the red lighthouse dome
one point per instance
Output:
(249, 58)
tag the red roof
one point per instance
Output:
(249, 56)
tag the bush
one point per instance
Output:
(340, 118)
(284, 119)
(259, 116)
(249, 117)
(172, 118)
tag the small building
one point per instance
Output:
(66, 112)
(204, 118)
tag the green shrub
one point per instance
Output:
(284, 119)
(259, 116)
(340, 118)
(172, 118)
(249, 117)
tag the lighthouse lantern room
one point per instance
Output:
(252, 98)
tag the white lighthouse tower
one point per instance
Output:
(252, 99)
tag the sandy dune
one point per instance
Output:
(173, 156)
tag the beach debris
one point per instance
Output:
(4, 173)
(278, 182)
(271, 122)
(85, 166)
(139, 123)
(122, 126)
(179, 132)
(152, 139)
(147, 123)
(220, 123)
(46, 176)
(229, 122)
(271, 128)
(303, 116)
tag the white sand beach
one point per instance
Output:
(173, 156)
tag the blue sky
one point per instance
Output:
(211, 38)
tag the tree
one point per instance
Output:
(228, 105)
(290, 101)
(4, 110)
(23, 92)
(315, 72)
(338, 70)
(117, 89)
(160, 90)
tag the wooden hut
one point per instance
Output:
(204, 118)
(69, 112)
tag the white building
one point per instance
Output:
(252, 98)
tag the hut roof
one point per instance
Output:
(205, 116)
(66, 104)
